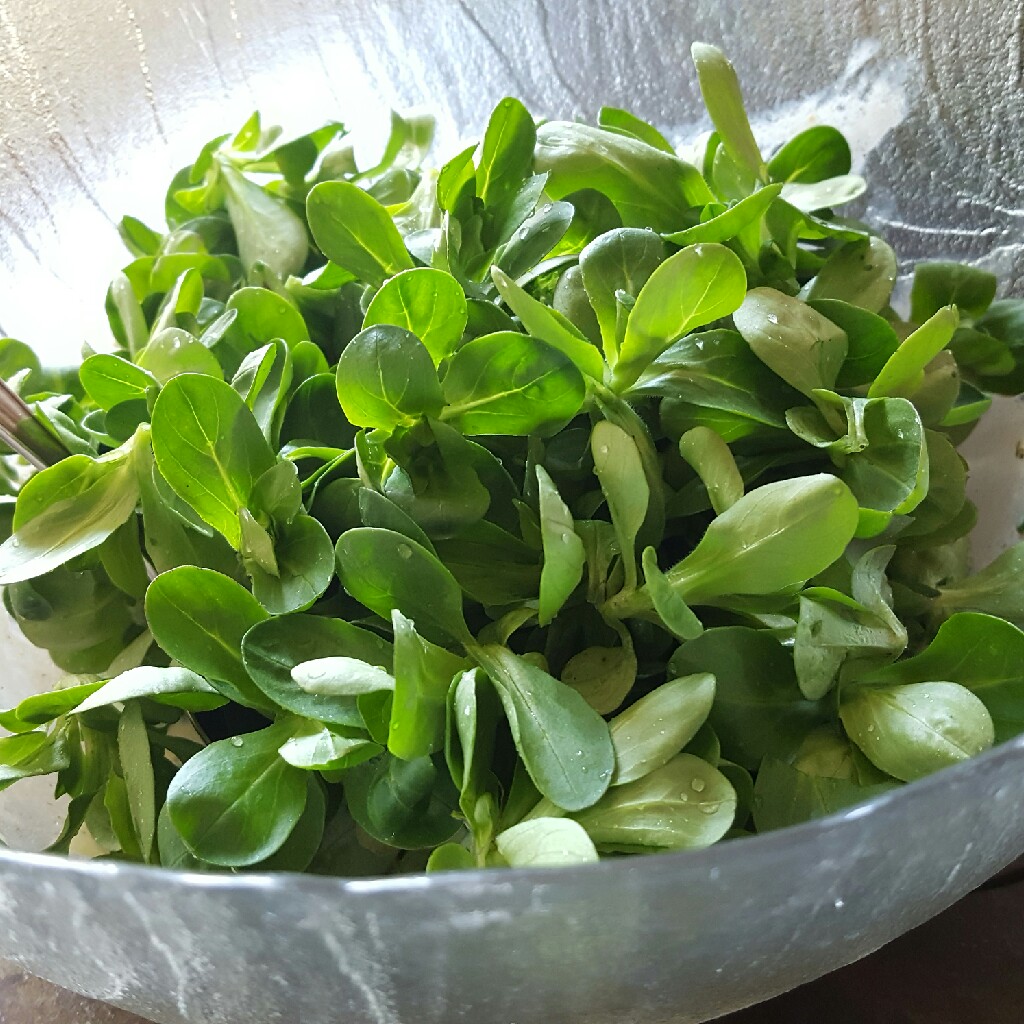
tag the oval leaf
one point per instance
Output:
(237, 801)
(696, 286)
(510, 383)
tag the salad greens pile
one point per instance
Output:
(569, 500)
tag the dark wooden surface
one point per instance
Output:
(964, 967)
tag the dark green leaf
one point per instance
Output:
(199, 618)
(563, 742)
(386, 377)
(304, 555)
(511, 384)
(407, 804)
(939, 284)
(758, 709)
(209, 448)
(272, 648)
(384, 571)
(815, 154)
(237, 801)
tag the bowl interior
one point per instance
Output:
(104, 99)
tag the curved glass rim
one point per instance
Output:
(693, 861)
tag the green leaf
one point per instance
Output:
(423, 678)
(506, 156)
(602, 676)
(237, 801)
(176, 687)
(914, 729)
(938, 284)
(450, 857)
(110, 380)
(825, 194)
(883, 456)
(758, 710)
(786, 795)
(675, 614)
(30, 755)
(407, 804)
(199, 618)
(172, 352)
(623, 121)
(545, 842)
(354, 231)
(685, 804)
(564, 556)
(861, 272)
(41, 708)
(713, 379)
(833, 632)
(788, 336)
(993, 590)
(69, 509)
(728, 224)
(473, 710)
(260, 317)
(341, 677)
(297, 851)
(720, 88)
(510, 383)
(617, 261)
(696, 286)
(386, 377)
(871, 341)
(983, 653)
(563, 742)
(621, 474)
(271, 649)
(813, 155)
(304, 554)
(427, 303)
(710, 458)
(318, 747)
(649, 188)
(904, 373)
(773, 538)
(384, 570)
(137, 767)
(267, 229)
(209, 448)
(534, 239)
(659, 725)
(263, 379)
(549, 326)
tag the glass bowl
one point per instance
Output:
(103, 99)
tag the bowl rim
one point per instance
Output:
(707, 861)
